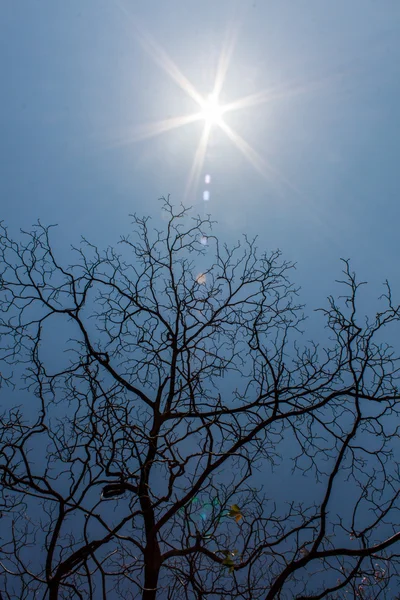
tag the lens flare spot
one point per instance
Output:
(206, 195)
(201, 278)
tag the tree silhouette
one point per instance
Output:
(188, 444)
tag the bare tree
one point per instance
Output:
(188, 445)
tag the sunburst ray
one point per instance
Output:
(198, 162)
(153, 129)
(210, 110)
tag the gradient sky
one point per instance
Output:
(82, 81)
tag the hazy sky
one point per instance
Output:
(84, 81)
(308, 161)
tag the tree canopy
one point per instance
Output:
(189, 443)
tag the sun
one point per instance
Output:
(212, 111)
(209, 110)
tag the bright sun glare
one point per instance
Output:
(212, 111)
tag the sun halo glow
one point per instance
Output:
(212, 111)
(209, 110)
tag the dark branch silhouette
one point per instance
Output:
(185, 442)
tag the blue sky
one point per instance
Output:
(79, 87)
(83, 81)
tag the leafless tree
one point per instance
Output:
(188, 444)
